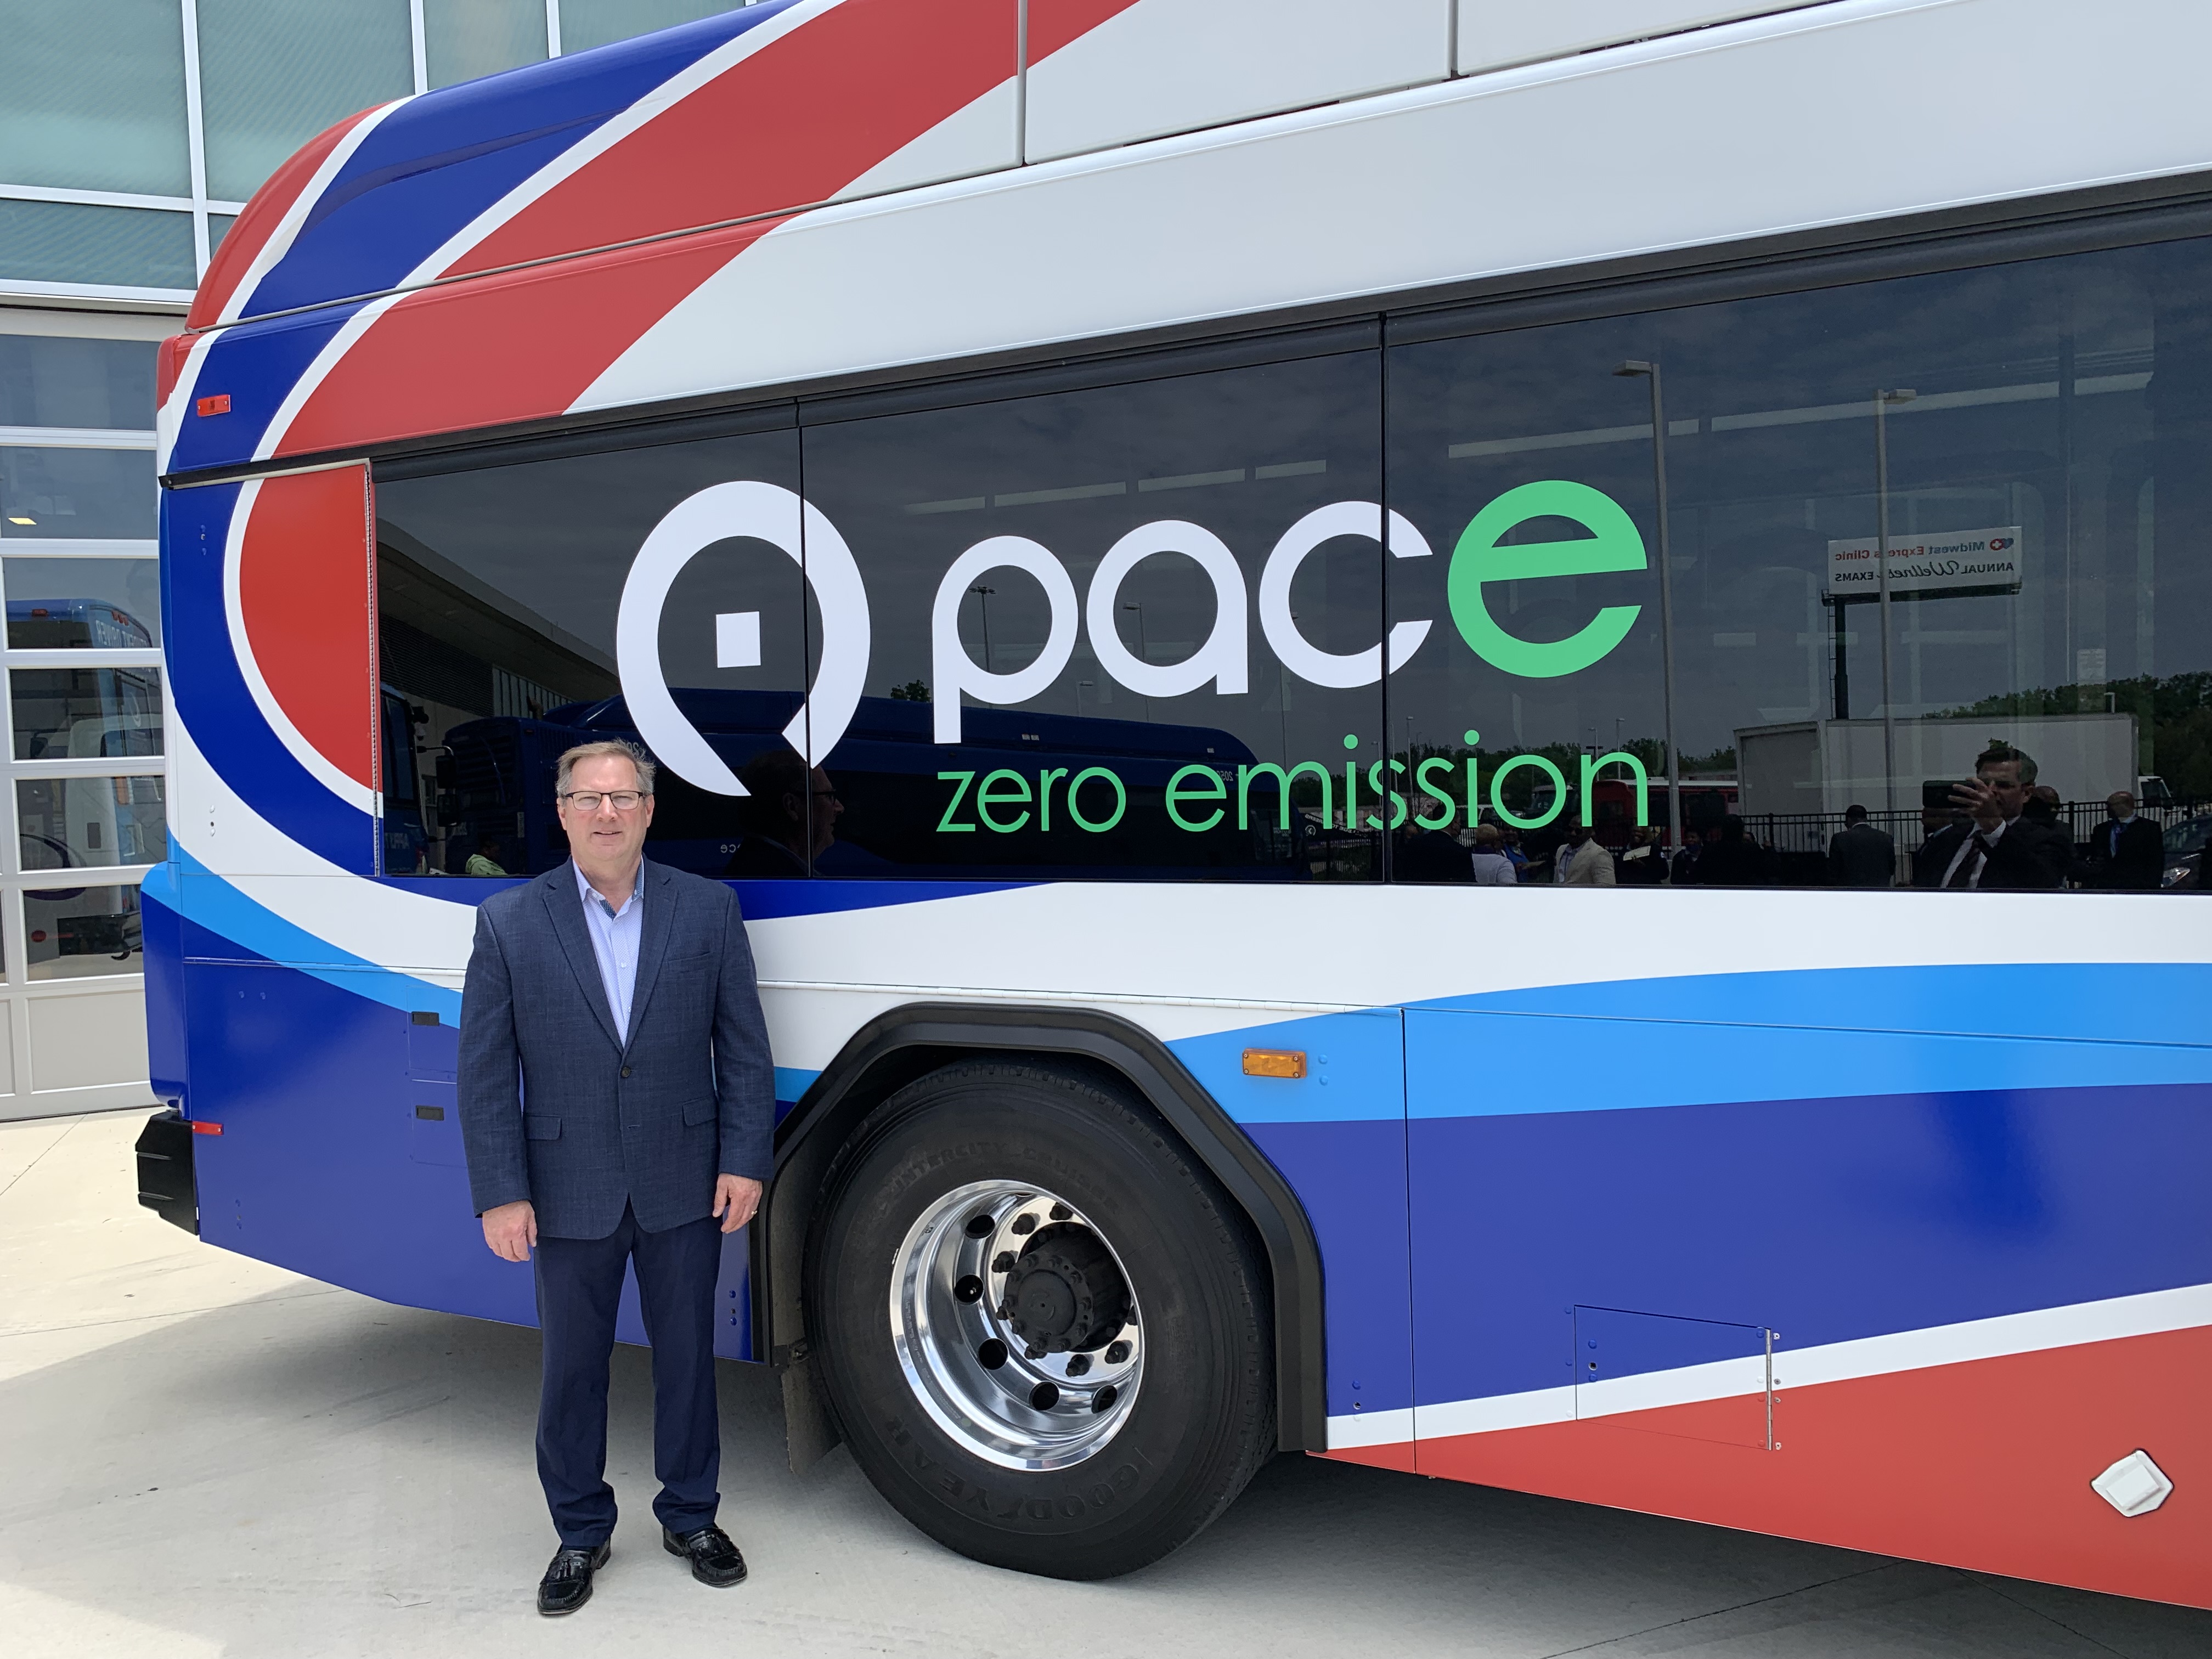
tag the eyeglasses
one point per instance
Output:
(587, 800)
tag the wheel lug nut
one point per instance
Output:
(1078, 1364)
(969, 1288)
(990, 1355)
(1032, 1353)
(1026, 1223)
(1116, 1352)
(1003, 1262)
(1044, 1396)
(981, 1226)
(1061, 1212)
(1104, 1399)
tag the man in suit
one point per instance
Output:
(1995, 844)
(2127, 853)
(616, 1102)
(1860, 855)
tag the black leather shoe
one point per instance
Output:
(714, 1559)
(567, 1584)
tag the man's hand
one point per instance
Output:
(736, 1198)
(511, 1230)
(1979, 801)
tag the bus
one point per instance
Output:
(1119, 497)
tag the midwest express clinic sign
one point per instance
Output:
(1095, 799)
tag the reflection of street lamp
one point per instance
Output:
(1144, 650)
(1666, 600)
(1882, 400)
(983, 603)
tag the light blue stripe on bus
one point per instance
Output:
(1355, 1069)
(207, 900)
(1466, 1064)
(2090, 1002)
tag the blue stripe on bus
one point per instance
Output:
(439, 161)
(1482, 1065)
(1824, 1219)
(2094, 1001)
(1355, 1069)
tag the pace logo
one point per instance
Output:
(778, 517)
(1481, 557)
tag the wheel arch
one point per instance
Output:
(904, 1043)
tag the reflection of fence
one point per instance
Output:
(1809, 832)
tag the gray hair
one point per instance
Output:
(613, 747)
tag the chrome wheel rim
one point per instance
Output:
(968, 1355)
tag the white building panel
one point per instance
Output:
(1496, 34)
(1169, 66)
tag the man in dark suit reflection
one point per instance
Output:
(1860, 855)
(1996, 845)
(2126, 853)
(790, 815)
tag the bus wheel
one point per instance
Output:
(1043, 1326)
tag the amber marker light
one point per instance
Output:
(1275, 1062)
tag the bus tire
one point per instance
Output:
(1043, 1328)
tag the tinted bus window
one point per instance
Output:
(2046, 440)
(1078, 656)
(500, 590)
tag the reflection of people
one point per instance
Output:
(1860, 855)
(782, 835)
(1491, 868)
(2126, 852)
(484, 861)
(1731, 858)
(1997, 844)
(1645, 863)
(1432, 855)
(604, 1172)
(1581, 862)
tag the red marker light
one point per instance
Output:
(218, 404)
(203, 1128)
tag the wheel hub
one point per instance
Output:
(1016, 1325)
(1066, 1295)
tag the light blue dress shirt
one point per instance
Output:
(614, 937)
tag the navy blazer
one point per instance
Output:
(557, 1110)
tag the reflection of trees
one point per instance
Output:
(2174, 712)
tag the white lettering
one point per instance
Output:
(1304, 658)
(953, 670)
(1221, 658)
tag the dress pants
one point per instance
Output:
(580, 1284)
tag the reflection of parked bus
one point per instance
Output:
(72, 624)
(497, 781)
(1545, 1186)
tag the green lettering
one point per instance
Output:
(1397, 801)
(1044, 796)
(1474, 790)
(945, 825)
(1643, 783)
(1441, 791)
(1075, 807)
(1497, 792)
(1612, 544)
(1351, 795)
(1246, 773)
(1211, 789)
(986, 799)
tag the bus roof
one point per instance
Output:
(805, 192)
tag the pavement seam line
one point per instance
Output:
(1717, 1613)
(1989, 1582)
(178, 1312)
(42, 1156)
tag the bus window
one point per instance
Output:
(1077, 646)
(499, 589)
(2010, 460)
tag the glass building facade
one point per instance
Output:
(132, 134)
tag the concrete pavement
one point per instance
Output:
(203, 1456)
